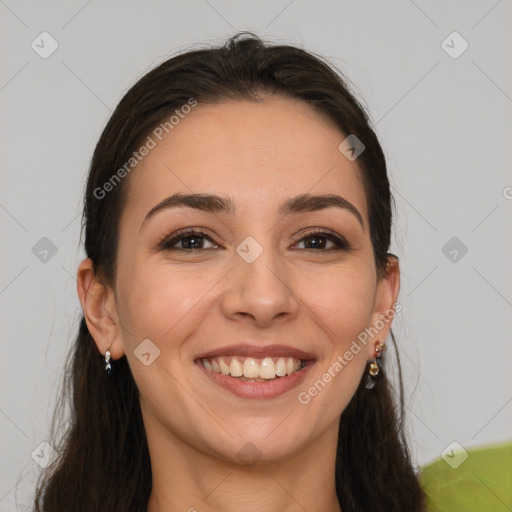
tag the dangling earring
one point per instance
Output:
(375, 366)
(108, 366)
(374, 369)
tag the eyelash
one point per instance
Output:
(167, 243)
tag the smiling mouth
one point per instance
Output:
(251, 369)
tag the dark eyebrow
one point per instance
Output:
(310, 203)
(218, 204)
(203, 202)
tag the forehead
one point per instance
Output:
(251, 151)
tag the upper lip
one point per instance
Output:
(257, 351)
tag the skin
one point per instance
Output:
(260, 154)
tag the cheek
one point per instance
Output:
(344, 303)
(160, 303)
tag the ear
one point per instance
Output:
(385, 307)
(98, 305)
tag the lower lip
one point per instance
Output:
(248, 389)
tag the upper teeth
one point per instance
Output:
(252, 368)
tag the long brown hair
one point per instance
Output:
(103, 462)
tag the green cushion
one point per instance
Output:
(481, 483)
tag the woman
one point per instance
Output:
(237, 297)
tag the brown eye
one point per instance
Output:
(190, 240)
(319, 240)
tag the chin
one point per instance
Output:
(267, 441)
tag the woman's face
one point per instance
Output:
(253, 282)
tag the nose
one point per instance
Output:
(260, 292)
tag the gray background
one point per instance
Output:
(445, 126)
